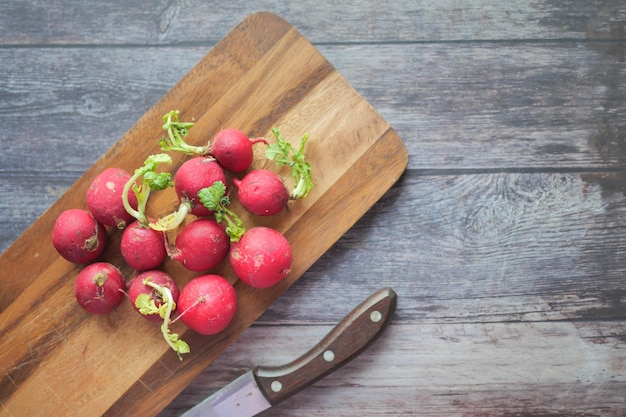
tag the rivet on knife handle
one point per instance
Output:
(349, 338)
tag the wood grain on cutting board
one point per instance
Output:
(58, 360)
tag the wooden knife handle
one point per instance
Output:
(343, 343)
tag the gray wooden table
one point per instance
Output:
(505, 239)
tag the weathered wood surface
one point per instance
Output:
(358, 158)
(504, 239)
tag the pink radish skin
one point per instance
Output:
(104, 198)
(201, 245)
(137, 287)
(262, 257)
(142, 248)
(99, 288)
(78, 237)
(192, 176)
(233, 149)
(207, 304)
(262, 192)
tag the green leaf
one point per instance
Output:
(283, 153)
(280, 150)
(149, 180)
(153, 161)
(146, 305)
(179, 345)
(211, 197)
(165, 312)
(176, 131)
(277, 153)
(235, 232)
(158, 181)
(215, 199)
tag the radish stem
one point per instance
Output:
(283, 153)
(150, 181)
(176, 131)
(172, 220)
(146, 305)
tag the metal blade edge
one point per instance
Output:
(240, 398)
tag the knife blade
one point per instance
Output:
(263, 387)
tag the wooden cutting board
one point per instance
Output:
(57, 360)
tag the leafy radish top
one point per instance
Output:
(215, 199)
(149, 180)
(283, 153)
(145, 304)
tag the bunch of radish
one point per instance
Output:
(207, 232)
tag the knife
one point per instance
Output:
(263, 387)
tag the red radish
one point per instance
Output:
(194, 175)
(140, 285)
(142, 248)
(104, 198)
(233, 149)
(262, 257)
(78, 237)
(99, 288)
(262, 192)
(201, 245)
(207, 304)
(158, 306)
(230, 147)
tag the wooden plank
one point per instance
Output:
(463, 369)
(547, 305)
(467, 106)
(485, 105)
(236, 84)
(518, 246)
(492, 120)
(157, 22)
(523, 316)
(534, 246)
(463, 246)
(481, 248)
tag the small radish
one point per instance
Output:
(78, 237)
(201, 245)
(192, 176)
(142, 248)
(144, 284)
(233, 149)
(99, 288)
(207, 304)
(262, 192)
(160, 304)
(104, 198)
(262, 257)
(230, 147)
